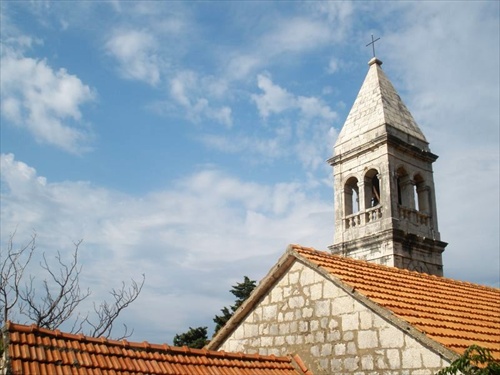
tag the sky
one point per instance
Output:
(188, 141)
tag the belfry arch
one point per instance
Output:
(422, 194)
(372, 189)
(404, 188)
(351, 196)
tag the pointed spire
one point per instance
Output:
(378, 107)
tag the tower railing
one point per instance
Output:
(363, 217)
(413, 216)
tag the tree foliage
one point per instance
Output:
(476, 360)
(197, 337)
(55, 300)
(241, 291)
(194, 338)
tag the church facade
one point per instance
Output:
(377, 303)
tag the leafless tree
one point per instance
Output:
(60, 295)
(107, 313)
(13, 263)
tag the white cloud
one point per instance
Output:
(137, 54)
(320, 24)
(209, 222)
(275, 100)
(45, 101)
(295, 35)
(191, 92)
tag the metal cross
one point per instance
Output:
(373, 44)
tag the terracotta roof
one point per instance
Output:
(454, 313)
(33, 350)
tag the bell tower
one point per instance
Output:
(385, 205)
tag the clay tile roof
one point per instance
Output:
(454, 313)
(33, 350)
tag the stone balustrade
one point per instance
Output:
(413, 216)
(364, 217)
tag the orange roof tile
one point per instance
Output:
(33, 350)
(454, 313)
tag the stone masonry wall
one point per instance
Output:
(307, 314)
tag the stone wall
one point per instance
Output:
(307, 314)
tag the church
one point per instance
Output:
(375, 303)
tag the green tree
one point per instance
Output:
(241, 291)
(475, 361)
(197, 337)
(194, 338)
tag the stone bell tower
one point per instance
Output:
(385, 205)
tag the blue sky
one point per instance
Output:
(187, 140)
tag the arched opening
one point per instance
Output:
(404, 186)
(421, 193)
(372, 189)
(351, 196)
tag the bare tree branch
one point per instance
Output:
(58, 296)
(13, 263)
(61, 295)
(107, 313)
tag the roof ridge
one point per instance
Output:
(391, 269)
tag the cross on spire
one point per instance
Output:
(373, 44)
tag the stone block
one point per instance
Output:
(351, 364)
(303, 326)
(336, 365)
(322, 308)
(269, 312)
(314, 325)
(350, 322)
(320, 336)
(333, 336)
(266, 341)
(342, 305)
(290, 340)
(391, 337)
(330, 291)
(340, 349)
(307, 277)
(326, 350)
(367, 339)
(296, 302)
(277, 295)
(316, 291)
(315, 350)
(284, 329)
(307, 312)
(411, 358)
(367, 362)
(348, 336)
(351, 348)
(394, 359)
(366, 319)
(432, 360)
(293, 277)
(251, 330)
